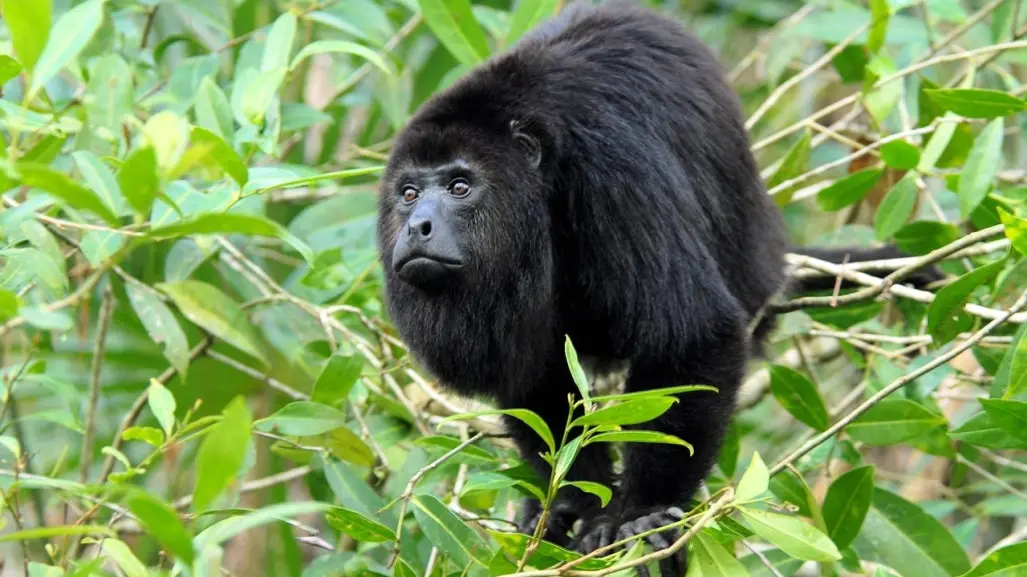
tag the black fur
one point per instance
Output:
(616, 200)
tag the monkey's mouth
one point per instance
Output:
(426, 271)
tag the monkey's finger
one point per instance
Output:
(606, 536)
(675, 513)
(658, 541)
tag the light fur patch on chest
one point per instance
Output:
(605, 377)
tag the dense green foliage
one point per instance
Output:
(199, 379)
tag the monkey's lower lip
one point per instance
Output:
(423, 271)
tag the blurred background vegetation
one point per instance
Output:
(199, 378)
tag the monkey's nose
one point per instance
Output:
(420, 227)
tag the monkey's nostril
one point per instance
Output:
(426, 228)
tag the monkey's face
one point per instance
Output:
(454, 215)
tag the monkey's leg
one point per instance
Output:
(658, 479)
(549, 399)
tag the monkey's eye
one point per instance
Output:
(459, 188)
(410, 194)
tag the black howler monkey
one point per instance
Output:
(596, 181)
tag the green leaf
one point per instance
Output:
(981, 167)
(119, 552)
(302, 418)
(110, 96)
(945, 315)
(848, 190)
(846, 504)
(799, 396)
(879, 16)
(57, 531)
(923, 236)
(1010, 416)
(650, 393)
(162, 523)
(565, 457)
(342, 47)
(580, 380)
(222, 153)
(627, 413)
(754, 482)
(69, 35)
(789, 487)
(1004, 373)
(29, 24)
(1009, 561)
(638, 437)
(278, 44)
(454, 24)
(148, 435)
(231, 223)
(228, 528)
(449, 533)
(713, 559)
(1017, 383)
(1015, 229)
(359, 527)
(903, 536)
(980, 431)
(893, 421)
(213, 112)
(216, 313)
(880, 101)
(160, 323)
(938, 143)
(529, 418)
(63, 187)
(900, 155)
(528, 14)
(162, 403)
(168, 134)
(602, 491)
(795, 162)
(222, 453)
(99, 178)
(976, 102)
(345, 445)
(9, 67)
(339, 374)
(792, 535)
(896, 207)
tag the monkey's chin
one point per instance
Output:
(427, 273)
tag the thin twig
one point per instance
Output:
(898, 384)
(102, 324)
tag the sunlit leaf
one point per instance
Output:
(29, 24)
(754, 482)
(231, 223)
(215, 312)
(528, 417)
(221, 454)
(794, 536)
(69, 35)
(454, 24)
(342, 47)
(603, 492)
(893, 421)
(627, 413)
(713, 559)
(1010, 416)
(580, 380)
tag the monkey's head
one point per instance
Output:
(461, 202)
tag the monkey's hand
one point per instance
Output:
(562, 516)
(606, 530)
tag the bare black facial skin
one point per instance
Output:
(595, 181)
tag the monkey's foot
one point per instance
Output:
(562, 516)
(605, 531)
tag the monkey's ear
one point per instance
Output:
(528, 144)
